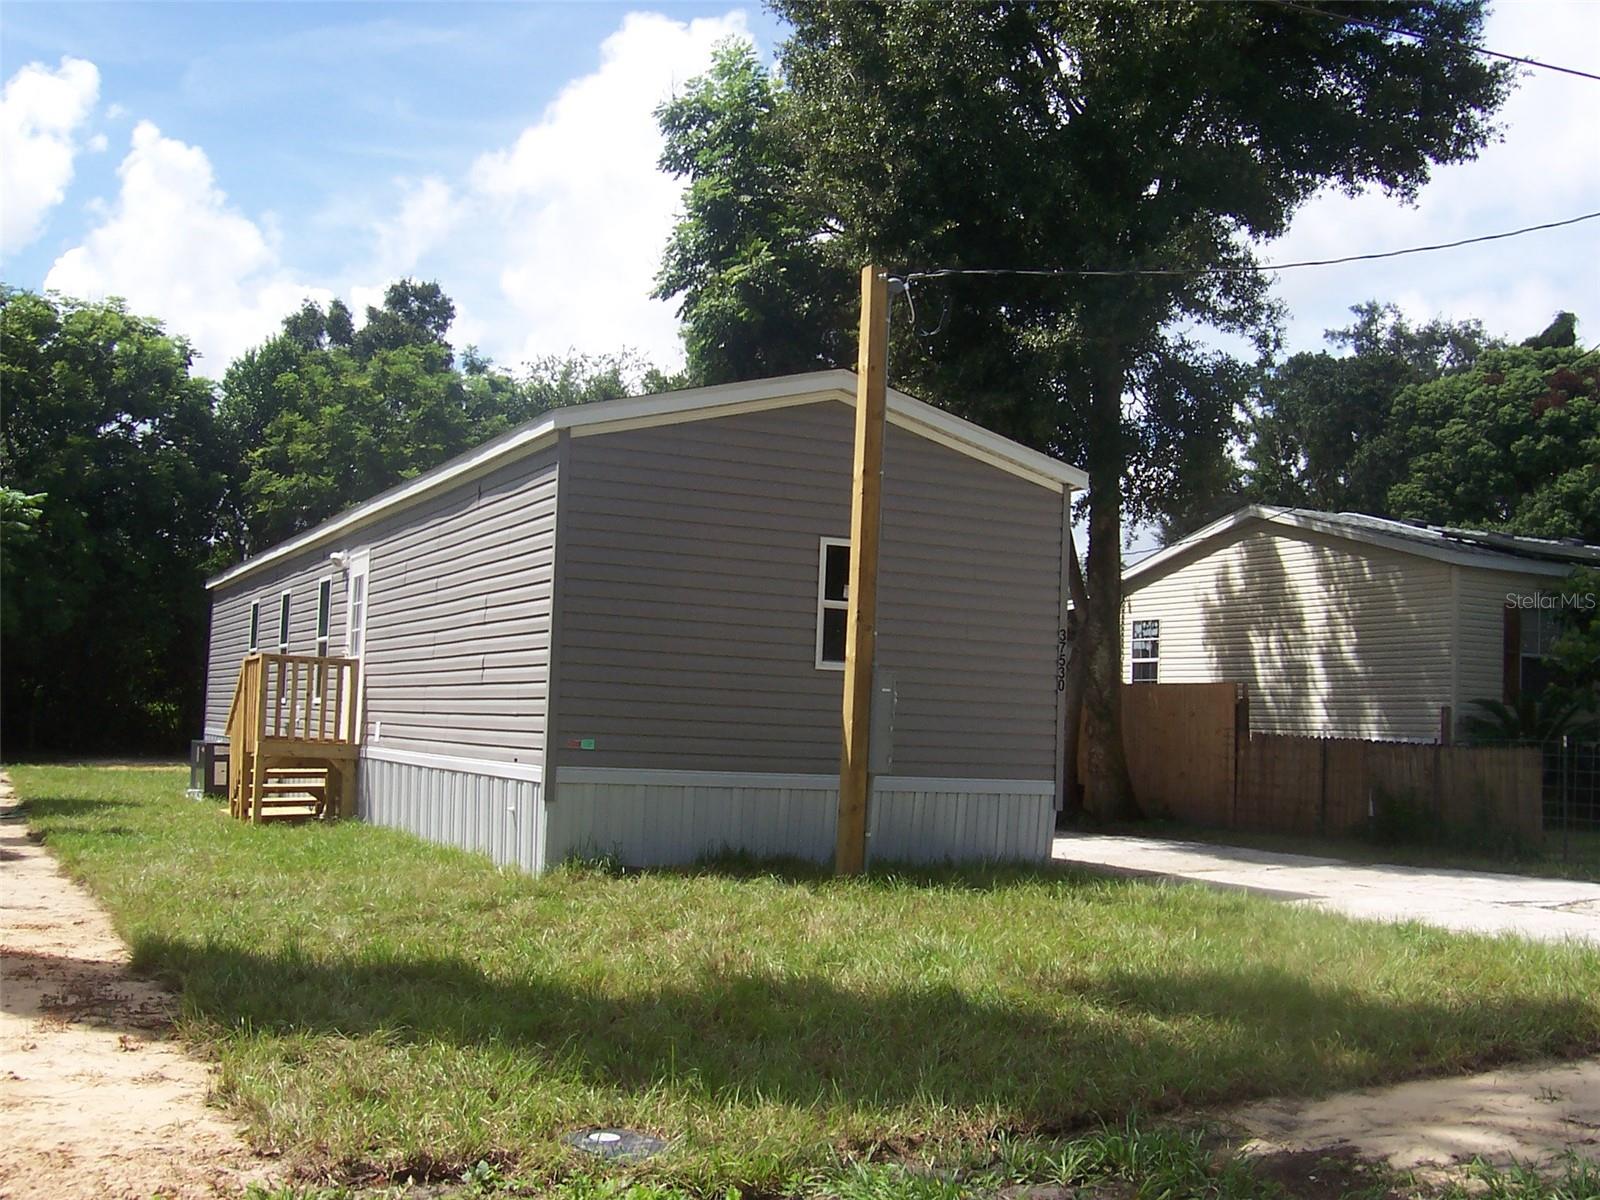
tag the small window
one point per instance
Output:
(1540, 628)
(283, 623)
(324, 615)
(255, 625)
(1146, 651)
(833, 602)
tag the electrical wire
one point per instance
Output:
(1350, 19)
(1228, 269)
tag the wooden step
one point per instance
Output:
(283, 787)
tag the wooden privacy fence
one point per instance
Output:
(1192, 757)
(1339, 785)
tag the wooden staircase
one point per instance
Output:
(293, 738)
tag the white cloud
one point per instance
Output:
(174, 248)
(553, 241)
(1547, 167)
(41, 113)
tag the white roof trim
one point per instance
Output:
(1485, 557)
(695, 404)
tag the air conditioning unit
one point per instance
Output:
(208, 769)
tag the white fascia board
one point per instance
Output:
(1487, 560)
(922, 417)
(694, 404)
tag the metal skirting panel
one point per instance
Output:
(501, 818)
(937, 826)
(668, 823)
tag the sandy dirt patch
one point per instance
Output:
(1529, 1115)
(96, 1102)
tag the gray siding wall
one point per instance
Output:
(458, 618)
(689, 591)
(230, 625)
(458, 625)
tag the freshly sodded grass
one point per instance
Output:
(373, 1000)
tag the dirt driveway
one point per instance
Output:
(1465, 901)
(95, 1102)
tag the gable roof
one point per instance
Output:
(1464, 547)
(666, 408)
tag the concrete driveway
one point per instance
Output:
(1468, 901)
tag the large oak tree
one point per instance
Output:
(1084, 136)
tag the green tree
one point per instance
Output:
(763, 289)
(110, 460)
(1512, 444)
(1318, 417)
(322, 418)
(1120, 136)
(1576, 651)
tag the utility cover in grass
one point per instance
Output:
(623, 1144)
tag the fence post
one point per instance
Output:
(1566, 815)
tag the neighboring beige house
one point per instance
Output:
(1347, 625)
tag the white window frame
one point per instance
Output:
(359, 566)
(255, 626)
(823, 603)
(1135, 659)
(285, 604)
(324, 614)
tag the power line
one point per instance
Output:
(1416, 35)
(1236, 269)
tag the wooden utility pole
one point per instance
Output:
(861, 628)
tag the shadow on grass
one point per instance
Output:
(1072, 1051)
(69, 806)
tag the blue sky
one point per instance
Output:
(216, 162)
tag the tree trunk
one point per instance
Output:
(1108, 790)
(1077, 676)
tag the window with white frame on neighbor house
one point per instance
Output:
(1540, 628)
(1145, 651)
(255, 625)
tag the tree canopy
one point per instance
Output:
(111, 474)
(323, 415)
(125, 480)
(1093, 137)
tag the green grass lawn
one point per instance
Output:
(1576, 857)
(373, 1001)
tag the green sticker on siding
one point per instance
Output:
(586, 744)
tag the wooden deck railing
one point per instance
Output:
(297, 697)
(292, 712)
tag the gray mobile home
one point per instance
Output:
(618, 630)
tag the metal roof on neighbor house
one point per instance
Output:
(1466, 547)
(637, 412)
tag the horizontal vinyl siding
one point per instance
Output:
(230, 624)
(458, 618)
(689, 581)
(1481, 602)
(458, 623)
(1333, 637)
